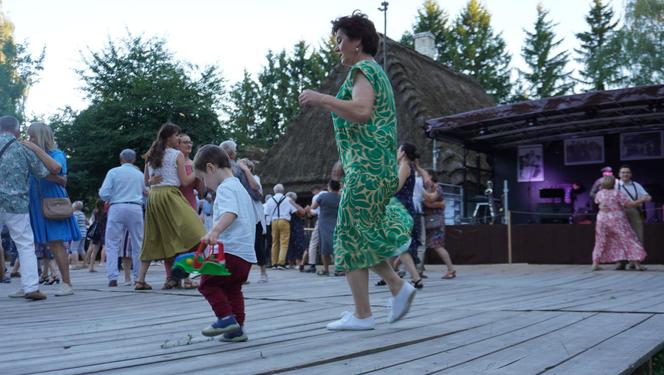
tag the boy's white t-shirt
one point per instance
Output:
(239, 237)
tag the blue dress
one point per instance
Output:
(46, 230)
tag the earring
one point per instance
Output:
(357, 49)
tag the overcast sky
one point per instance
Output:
(234, 35)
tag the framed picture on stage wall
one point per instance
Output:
(642, 145)
(530, 163)
(589, 150)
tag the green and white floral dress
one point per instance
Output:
(372, 225)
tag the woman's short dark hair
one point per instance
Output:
(358, 26)
(334, 185)
(410, 150)
(211, 154)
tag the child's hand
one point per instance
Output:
(210, 238)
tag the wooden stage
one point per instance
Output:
(491, 319)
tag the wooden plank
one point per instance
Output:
(491, 311)
(456, 339)
(621, 353)
(538, 353)
(332, 345)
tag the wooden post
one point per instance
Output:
(509, 237)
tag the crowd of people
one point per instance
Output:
(380, 210)
(365, 218)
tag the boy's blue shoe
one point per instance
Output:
(235, 336)
(222, 325)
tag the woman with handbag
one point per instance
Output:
(434, 219)
(51, 212)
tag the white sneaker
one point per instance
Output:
(18, 294)
(263, 279)
(349, 322)
(127, 283)
(401, 302)
(66, 290)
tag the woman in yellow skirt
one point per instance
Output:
(171, 225)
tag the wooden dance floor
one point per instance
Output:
(491, 319)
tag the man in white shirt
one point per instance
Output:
(632, 190)
(279, 207)
(124, 190)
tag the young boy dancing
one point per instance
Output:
(234, 224)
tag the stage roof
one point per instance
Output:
(552, 119)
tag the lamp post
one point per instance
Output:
(384, 10)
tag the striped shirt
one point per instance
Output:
(82, 222)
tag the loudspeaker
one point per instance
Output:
(562, 213)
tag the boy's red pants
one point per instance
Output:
(224, 293)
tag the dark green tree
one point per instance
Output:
(519, 92)
(244, 101)
(430, 17)
(279, 84)
(268, 113)
(326, 56)
(135, 85)
(19, 70)
(546, 75)
(641, 41)
(598, 52)
(475, 50)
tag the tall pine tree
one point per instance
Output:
(641, 41)
(598, 53)
(261, 111)
(430, 17)
(546, 74)
(475, 50)
(268, 113)
(326, 56)
(242, 124)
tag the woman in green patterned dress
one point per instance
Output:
(372, 226)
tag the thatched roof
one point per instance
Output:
(423, 89)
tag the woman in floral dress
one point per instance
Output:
(615, 239)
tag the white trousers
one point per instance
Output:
(20, 231)
(121, 217)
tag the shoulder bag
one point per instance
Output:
(55, 208)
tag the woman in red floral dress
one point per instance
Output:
(615, 240)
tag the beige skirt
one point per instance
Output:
(171, 225)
